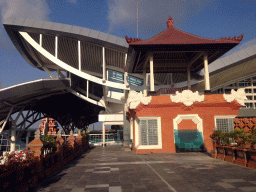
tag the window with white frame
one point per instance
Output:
(148, 133)
(224, 123)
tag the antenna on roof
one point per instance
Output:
(137, 19)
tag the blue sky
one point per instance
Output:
(205, 18)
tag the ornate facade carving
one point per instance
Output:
(187, 97)
(169, 22)
(238, 95)
(134, 99)
(49, 126)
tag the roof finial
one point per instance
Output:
(170, 22)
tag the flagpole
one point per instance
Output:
(137, 19)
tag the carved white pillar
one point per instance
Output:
(189, 80)
(145, 82)
(206, 73)
(152, 82)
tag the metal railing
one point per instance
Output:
(97, 138)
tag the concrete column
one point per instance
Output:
(189, 80)
(103, 134)
(131, 129)
(103, 64)
(152, 82)
(27, 138)
(145, 81)
(206, 73)
(13, 138)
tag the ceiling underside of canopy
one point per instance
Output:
(51, 97)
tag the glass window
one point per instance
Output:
(254, 97)
(254, 83)
(227, 91)
(248, 90)
(249, 97)
(248, 105)
(148, 132)
(225, 124)
(232, 85)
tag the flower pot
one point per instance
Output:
(251, 159)
(241, 156)
(230, 154)
(220, 152)
(253, 146)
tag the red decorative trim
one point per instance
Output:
(234, 38)
(131, 40)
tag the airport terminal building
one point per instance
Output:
(168, 93)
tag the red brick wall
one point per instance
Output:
(187, 124)
(163, 106)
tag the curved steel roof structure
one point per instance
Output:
(68, 37)
(51, 97)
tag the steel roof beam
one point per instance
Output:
(67, 67)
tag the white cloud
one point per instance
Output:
(152, 14)
(22, 9)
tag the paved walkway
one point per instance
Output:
(111, 169)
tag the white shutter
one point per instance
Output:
(148, 132)
(152, 132)
(143, 132)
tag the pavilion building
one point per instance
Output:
(183, 121)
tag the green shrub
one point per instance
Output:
(240, 136)
(50, 142)
(252, 137)
(225, 138)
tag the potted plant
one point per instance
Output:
(50, 143)
(252, 139)
(252, 153)
(241, 138)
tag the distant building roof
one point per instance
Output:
(244, 112)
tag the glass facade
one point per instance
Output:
(250, 90)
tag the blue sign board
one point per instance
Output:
(119, 78)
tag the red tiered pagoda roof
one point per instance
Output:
(172, 36)
(174, 50)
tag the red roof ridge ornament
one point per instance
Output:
(234, 38)
(130, 40)
(170, 22)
